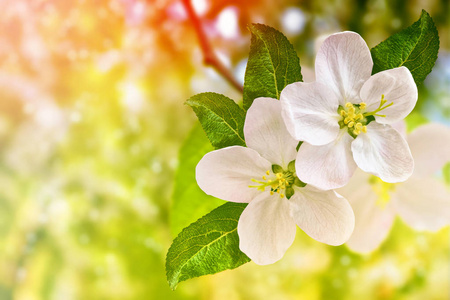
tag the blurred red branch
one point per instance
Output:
(209, 57)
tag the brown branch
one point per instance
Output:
(209, 57)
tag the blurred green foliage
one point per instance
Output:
(185, 188)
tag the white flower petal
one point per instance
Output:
(344, 63)
(266, 229)
(400, 126)
(266, 132)
(308, 74)
(424, 204)
(384, 153)
(359, 178)
(310, 112)
(326, 167)
(398, 87)
(227, 173)
(372, 222)
(430, 148)
(323, 215)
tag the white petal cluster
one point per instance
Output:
(343, 117)
(267, 226)
(422, 201)
(345, 120)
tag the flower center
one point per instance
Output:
(355, 118)
(382, 190)
(279, 181)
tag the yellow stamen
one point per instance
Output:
(380, 108)
(354, 117)
(276, 183)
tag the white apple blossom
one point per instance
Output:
(263, 175)
(423, 201)
(343, 117)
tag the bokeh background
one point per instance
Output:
(92, 121)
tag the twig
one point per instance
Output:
(209, 57)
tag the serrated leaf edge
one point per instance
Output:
(190, 103)
(172, 285)
(424, 12)
(251, 27)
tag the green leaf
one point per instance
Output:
(272, 64)
(221, 118)
(208, 246)
(415, 47)
(189, 202)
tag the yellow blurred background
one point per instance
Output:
(91, 122)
